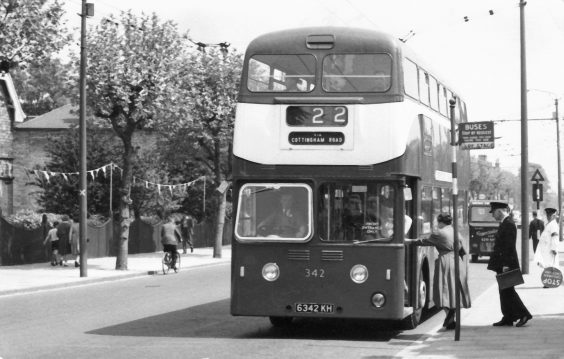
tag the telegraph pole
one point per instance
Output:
(559, 171)
(452, 103)
(87, 10)
(524, 149)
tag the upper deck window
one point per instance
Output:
(357, 73)
(281, 73)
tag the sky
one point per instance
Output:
(479, 58)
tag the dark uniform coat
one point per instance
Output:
(504, 251)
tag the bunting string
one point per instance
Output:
(46, 175)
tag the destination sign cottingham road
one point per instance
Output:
(316, 138)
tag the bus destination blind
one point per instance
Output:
(317, 116)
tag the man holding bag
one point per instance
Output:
(504, 258)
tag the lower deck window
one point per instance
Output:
(360, 212)
(274, 211)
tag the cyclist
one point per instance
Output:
(170, 237)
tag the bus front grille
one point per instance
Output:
(298, 254)
(331, 255)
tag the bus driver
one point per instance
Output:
(286, 221)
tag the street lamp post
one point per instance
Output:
(87, 10)
(559, 171)
(557, 159)
(524, 146)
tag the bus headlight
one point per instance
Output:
(359, 273)
(378, 300)
(270, 272)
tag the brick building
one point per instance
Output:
(11, 114)
(22, 146)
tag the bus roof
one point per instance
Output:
(345, 39)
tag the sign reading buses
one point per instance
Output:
(476, 135)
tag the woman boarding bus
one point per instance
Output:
(349, 126)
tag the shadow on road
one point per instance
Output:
(213, 320)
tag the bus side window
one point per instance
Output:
(443, 101)
(423, 87)
(434, 93)
(436, 207)
(426, 210)
(410, 84)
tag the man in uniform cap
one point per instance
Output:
(548, 242)
(504, 258)
(498, 205)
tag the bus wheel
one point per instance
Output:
(281, 322)
(474, 258)
(413, 320)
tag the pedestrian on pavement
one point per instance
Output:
(187, 231)
(535, 229)
(170, 236)
(444, 278)
(63, 232)
(75, 240)
(54, 239)
(547, 255)
(504, 258)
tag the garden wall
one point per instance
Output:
(23, 246)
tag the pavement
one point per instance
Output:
(41, 276)
(541, 337)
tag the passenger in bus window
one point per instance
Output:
(287, 221)
(353, 217)
(335, 83)
(294, 84)
(372, 209)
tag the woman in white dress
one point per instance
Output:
(547, 250)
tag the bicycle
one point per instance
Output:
(167, 262)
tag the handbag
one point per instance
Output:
(509, 278)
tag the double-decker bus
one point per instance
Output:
(341, 160)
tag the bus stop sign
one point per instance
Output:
(476, 135)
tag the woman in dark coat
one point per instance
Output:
(444, 278)
(63, 232)
(504, 258)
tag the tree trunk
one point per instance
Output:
(125, 201)
(220, 224)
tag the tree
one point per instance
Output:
(43, 86)
(132, 83)
(30, 30)
(491, 181)
(60, 193)
(207, 140)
